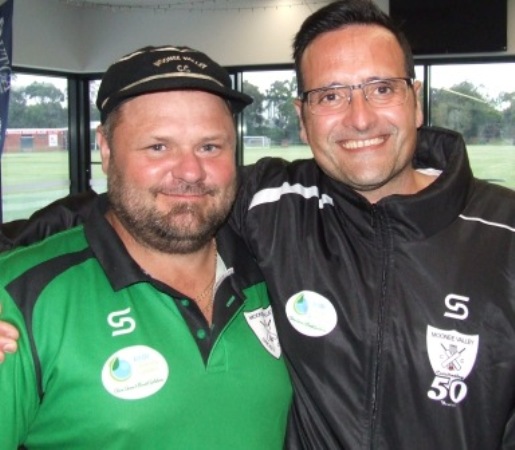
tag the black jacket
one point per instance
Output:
(398, 319)
(57, 216)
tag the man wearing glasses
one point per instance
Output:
(391, 268)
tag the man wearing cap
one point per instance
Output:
(149, 326)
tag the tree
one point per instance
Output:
(253, 114)
(44, 93)
(38, 105)
(17, 107)
(284, 119)
(465, 109)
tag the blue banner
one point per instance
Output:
(6, 33)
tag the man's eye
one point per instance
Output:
(157, 147)
(383, 89)
(209, 148)
(329, 97)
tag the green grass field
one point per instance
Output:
(32, 180)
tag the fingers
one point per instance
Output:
(7, 346)
(8, 331)
(8, 336)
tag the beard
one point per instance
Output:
(184, 228)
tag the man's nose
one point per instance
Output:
(188, 167)
(359, 111)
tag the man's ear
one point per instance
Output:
(297, 103)
(419, 115)
(105, 150)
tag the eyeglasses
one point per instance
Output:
(383, 93)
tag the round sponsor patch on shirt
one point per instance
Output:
(134, 372)
(311, 314)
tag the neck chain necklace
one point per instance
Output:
(200, 297)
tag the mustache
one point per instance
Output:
(185, 189)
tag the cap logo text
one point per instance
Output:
(160, 62)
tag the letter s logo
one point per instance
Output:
(126, 324)
(457, 304)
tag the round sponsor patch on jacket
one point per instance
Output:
(311, 314)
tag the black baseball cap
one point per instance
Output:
(164, 68)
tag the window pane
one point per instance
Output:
(35, 167)
(98, 178)
(478, 100)
(271, 126)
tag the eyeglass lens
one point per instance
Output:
(379, 93)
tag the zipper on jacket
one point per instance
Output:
(383, 238)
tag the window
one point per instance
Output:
(98, 177)
(35, 159)
(271, 126)
(478, 100)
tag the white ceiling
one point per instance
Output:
(200, 5)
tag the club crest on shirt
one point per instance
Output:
(451, 354)
(262, 323)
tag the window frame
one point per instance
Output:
(80, 164)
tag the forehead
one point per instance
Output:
(180, 116)
(351, 54)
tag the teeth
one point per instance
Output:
(362, 143)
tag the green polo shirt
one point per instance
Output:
(111, 359)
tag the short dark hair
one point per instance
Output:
(340, 14)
